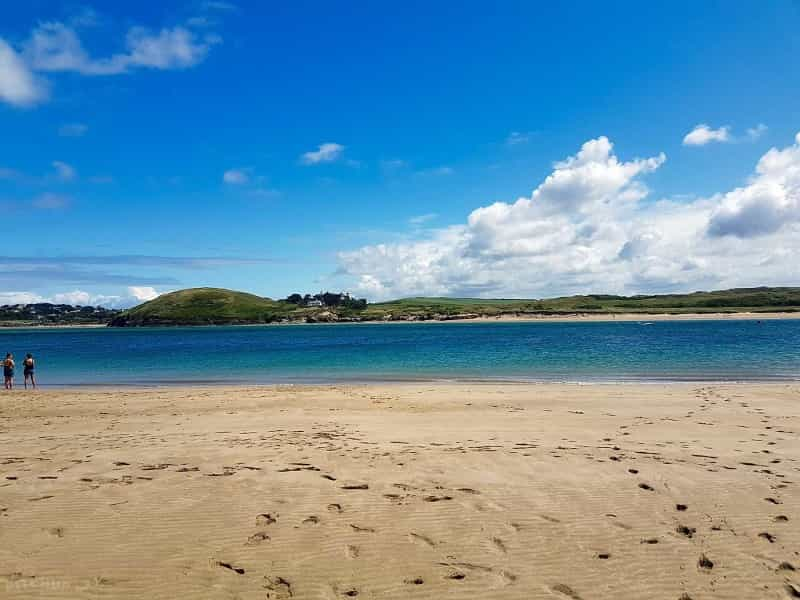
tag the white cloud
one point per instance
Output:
(73, 130)
(57, 47)
(703, 134)
(418, 220)
(143, 293)
(325, 153)
(18, 85)
(132, 296)
(20, 298)
(769, 202)
(76, 297)
(64, 171)
(236, 176)
(175, 48)
(587, 228)
(756, 132)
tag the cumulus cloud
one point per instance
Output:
(19, 86)
(57, 47)
(769, 202)
(702, 134)
(131, 297)
(236, 176)
(143, 293)
(590, 227)
(753, 133)
(325, 153)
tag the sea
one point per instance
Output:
(591, 352)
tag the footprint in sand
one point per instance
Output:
(230, 567)
(705, 563)
(352, 551)
(436, 498)
(549, 518)
(257, 538)
(335, 507)
(266, 519)
(418, 537)
(355, 486)
(686, 531)
(566, 591)
(277, 588)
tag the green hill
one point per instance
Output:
(214, 306)
(203, 306)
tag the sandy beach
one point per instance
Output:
(594, 317)
(559, 492)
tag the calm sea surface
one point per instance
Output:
(615, 351)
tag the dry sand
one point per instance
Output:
(402, 491)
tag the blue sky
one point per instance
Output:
(365, 144)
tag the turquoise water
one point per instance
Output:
(613, 351)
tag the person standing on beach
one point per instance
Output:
(27, 370)
(8, 371)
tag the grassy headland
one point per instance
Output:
(215, 306)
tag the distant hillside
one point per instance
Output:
(762, 299)
(214, 306)
(204, 306)
(45, 313)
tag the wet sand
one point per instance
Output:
(402, 491)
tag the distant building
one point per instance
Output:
(314, 303)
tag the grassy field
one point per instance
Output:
(735, 300)
(214, 306)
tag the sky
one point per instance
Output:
(503, 149)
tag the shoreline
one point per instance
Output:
(568, 318)
(356, 382)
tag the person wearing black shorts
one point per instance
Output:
(8, 371)
(28, 366)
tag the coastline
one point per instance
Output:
(526, 318)
(457, 490)
(624, 317)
